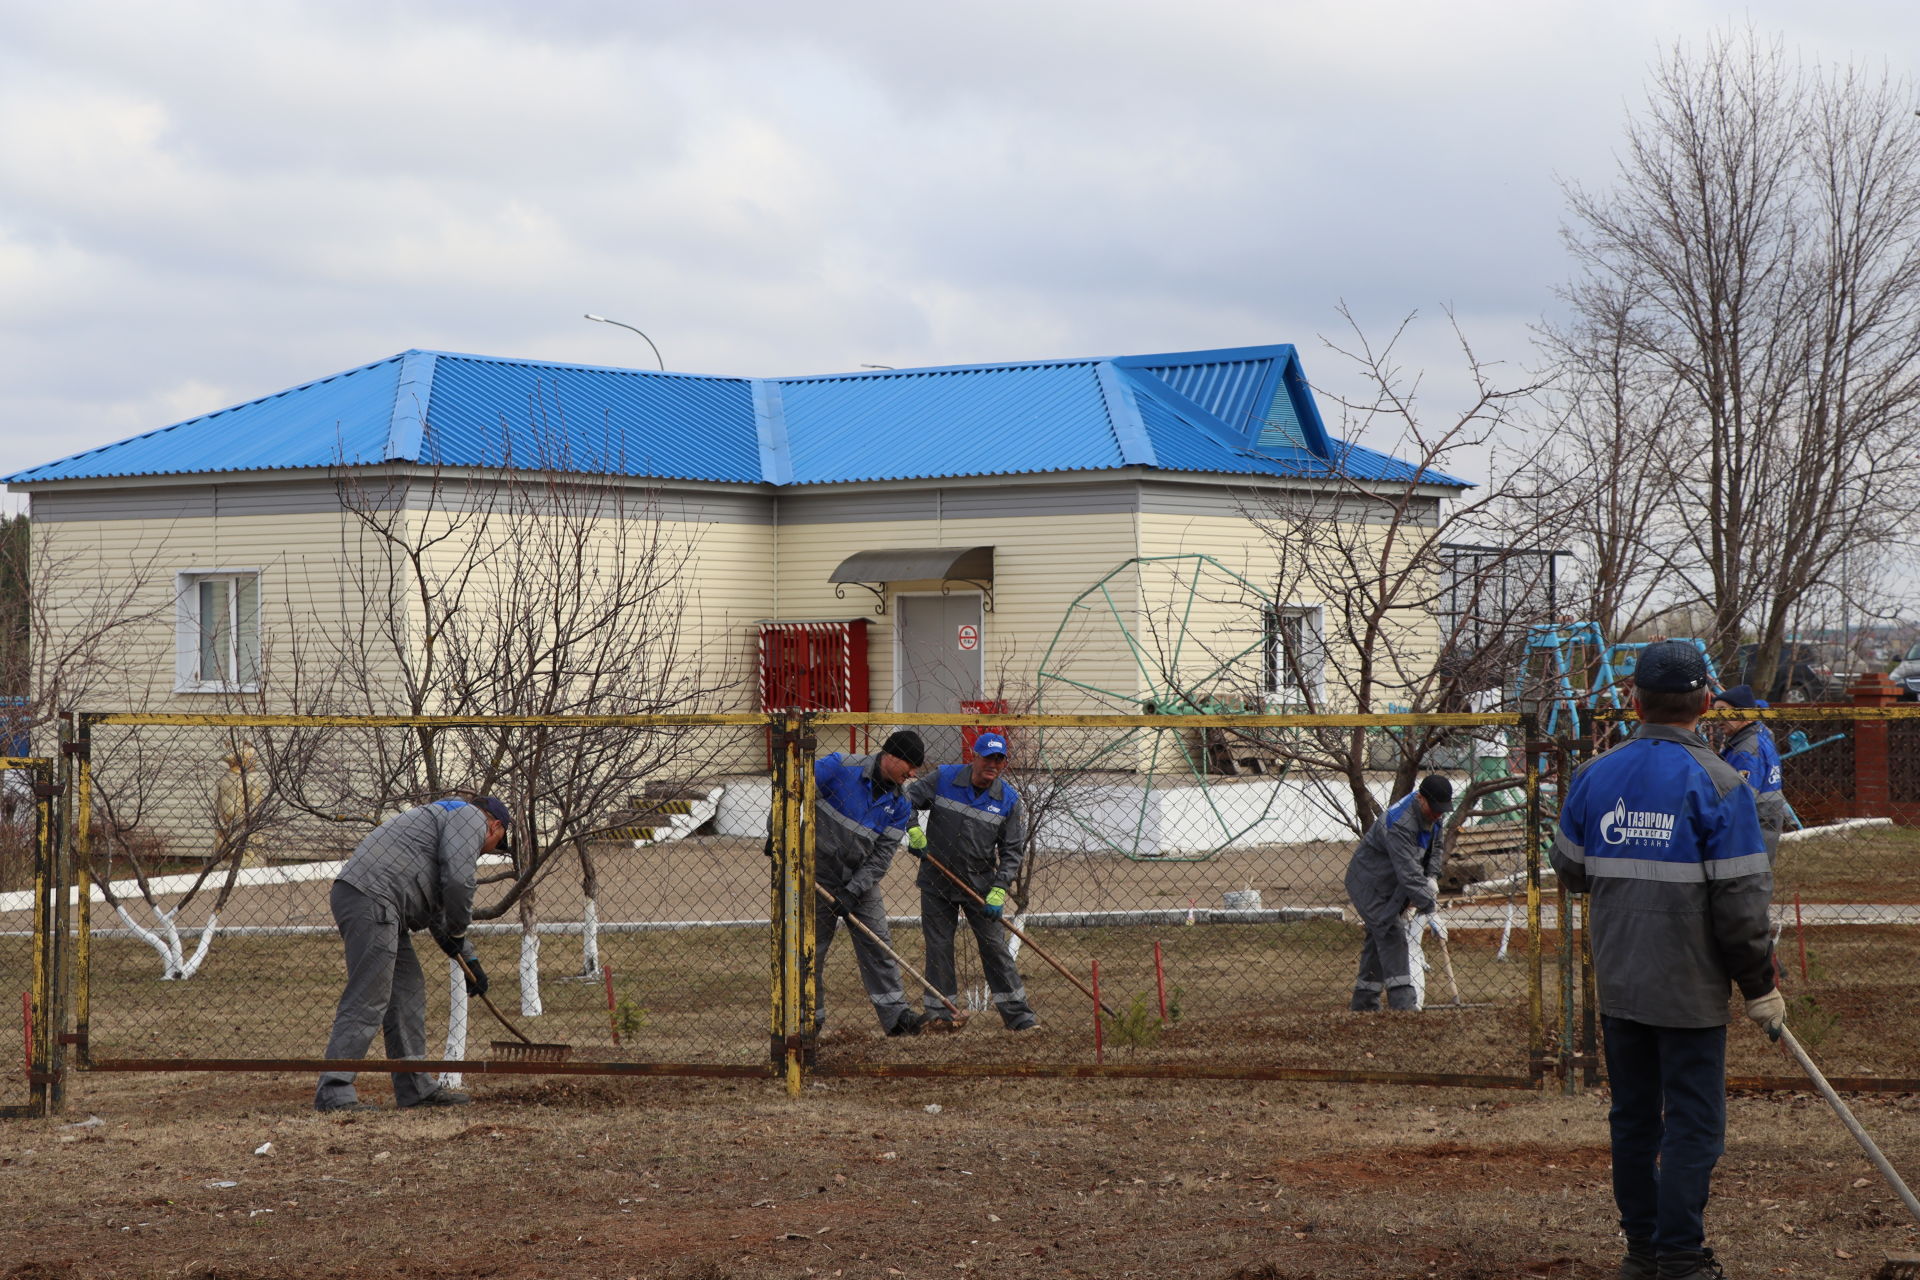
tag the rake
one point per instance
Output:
(1897, 1266)
(1015, 931)
(524, 1048)
(960, 1015)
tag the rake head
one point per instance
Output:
(515, 1051)
(948, 1026)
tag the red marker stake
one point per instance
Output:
(613, 1022)
(1800, 935)
(1098, 1057)
(1160, 980)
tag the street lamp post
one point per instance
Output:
(624, 325)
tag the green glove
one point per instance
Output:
(916, 840)
(996, 901)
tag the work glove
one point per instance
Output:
(1769, 1013)
(836, 903)
(477, 983)
(917, 841)
(996, 902)
(451, 945)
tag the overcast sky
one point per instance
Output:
(205, 202)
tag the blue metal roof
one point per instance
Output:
(1239, 411)
(949, 422)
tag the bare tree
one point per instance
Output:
(1610, 410)
(1370, 608)
(541, 589)
(1758, 258)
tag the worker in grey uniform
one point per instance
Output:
(860, 818)
(977, 829)
(414, 871)
(1387, 874)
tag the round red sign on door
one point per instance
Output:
(969, 637)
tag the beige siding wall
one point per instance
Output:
(94, 569)
(721, 587)
(1040, 564)
(1225, 623)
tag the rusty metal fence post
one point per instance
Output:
(41, 1039)
(790, 834)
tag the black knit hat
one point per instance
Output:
(1671, 666)
(1437, 791)
(906, 744)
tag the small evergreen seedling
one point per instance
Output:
(1138, 1027)
(629, 1018)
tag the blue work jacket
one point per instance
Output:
(860, 819)
(1664, 837)
(980, 836)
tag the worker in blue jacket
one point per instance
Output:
(1751, 751)
(1391, 870)
(977, 829)
(860, 818)
(1664, 838)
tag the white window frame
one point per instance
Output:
(1275, 676)
(188, 631)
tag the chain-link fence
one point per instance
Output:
(1192, 867)
(1200, 866)
(1198, 871)
(216, 934)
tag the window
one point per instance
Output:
(1295, 654)
(219, 631)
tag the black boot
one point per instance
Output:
(1690, 1264)
(1640, 1263)
(909, 1024)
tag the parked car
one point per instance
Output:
(1907, 674)
(1801, 675)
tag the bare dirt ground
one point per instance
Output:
(709, 1181)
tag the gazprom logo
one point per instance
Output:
(1643, 826)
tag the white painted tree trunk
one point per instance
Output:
(1416, 927)
(174, 961)
(530, 974)
(590, 940)
(456, 1021)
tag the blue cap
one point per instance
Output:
(989, 744)
(494, 807)
(1741, 695)
(1671, 666)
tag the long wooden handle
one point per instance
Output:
(1867, 1145)
(1015, 931)
(523, 1037)
(912, 972)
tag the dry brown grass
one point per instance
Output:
(684, 1181)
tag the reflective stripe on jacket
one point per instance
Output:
(1665, 838)
(1389, 868)
(980, 836)
(860, 819)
